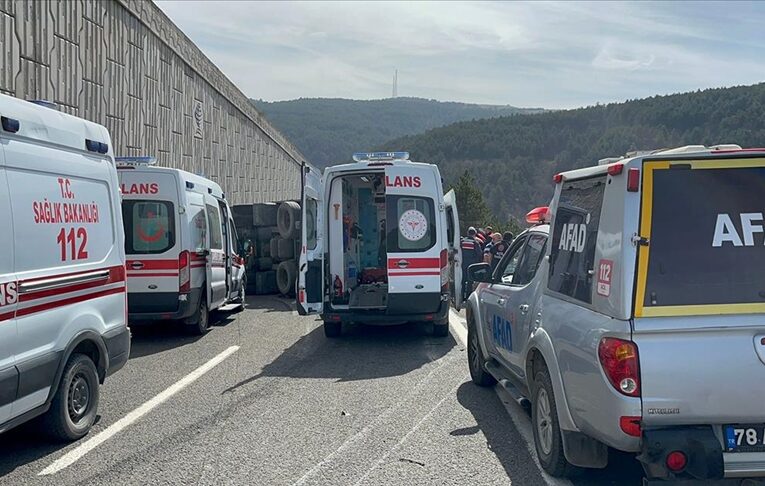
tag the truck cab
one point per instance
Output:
(380, 244)
(631, 315)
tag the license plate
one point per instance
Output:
(745, 438)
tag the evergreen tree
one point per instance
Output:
(471, 206)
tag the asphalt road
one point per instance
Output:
(284, 405)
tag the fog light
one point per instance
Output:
(676, 461)
(628, 385)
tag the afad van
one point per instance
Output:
(63, 326)
(380, 244)
(180, 243)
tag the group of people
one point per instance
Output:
(482, 245)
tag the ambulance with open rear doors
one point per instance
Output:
(63, 326)
(380, 244)
(181, 245)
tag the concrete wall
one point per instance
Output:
(124, 64)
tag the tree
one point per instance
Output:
(471, 206)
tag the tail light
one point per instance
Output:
(444, 271)
(633, 180)
(184, 272)
(630, 425)
(619, 359)
(676, 461)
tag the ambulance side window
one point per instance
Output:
(572, 251)
(216, 237)
(310, 223)
(149, 226)
(410, 223)
(449, 225)
(198, 228)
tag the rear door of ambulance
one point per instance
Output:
(415, 246)
(700, 297)
(150, 210)
(310, 288)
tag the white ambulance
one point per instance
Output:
(63, 326)
(181, 245)
(380, 244)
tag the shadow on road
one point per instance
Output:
(504, 441)
(23, 445)
(159, 336)
(361, 353)
(501, 436)
(623, 469)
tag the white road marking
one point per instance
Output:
(73, 456)
(518, 415)
(458, 327)
(365, 432)
(406, 436)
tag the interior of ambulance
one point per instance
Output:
(357, 226)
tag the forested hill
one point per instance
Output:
(328, 130)
(513, 159)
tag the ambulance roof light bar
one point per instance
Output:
(133, 161)
(379, 156)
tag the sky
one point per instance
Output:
(536, 54)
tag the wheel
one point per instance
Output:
(199, 323)
(75, 405)
(332, 329)
(547, 435)
(476, 360)
(441, 330)
(286, 274)
(287, 217)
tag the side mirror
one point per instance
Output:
(480, 272)
(203, 252)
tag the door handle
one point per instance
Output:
(524, 308)
(501, 301)
(136, 265)
(402, 263)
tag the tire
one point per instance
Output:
(285, 249)
(547, 435)
(476, 360)
(333, 329)
(199, 323)
(273, 247)
(74, 408)
(285, 277)
(287, 218)
(441, 330)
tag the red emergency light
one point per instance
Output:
(538, 215)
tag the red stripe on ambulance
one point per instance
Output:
(72, 300)
(424, 263)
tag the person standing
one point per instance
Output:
(471, 253)
(500, 244)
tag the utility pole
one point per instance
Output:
(395, 83)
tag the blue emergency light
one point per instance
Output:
(146, 160)
(375, 156)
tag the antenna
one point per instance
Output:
(395, 83)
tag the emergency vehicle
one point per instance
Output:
(632, 315)
(181, 245)
(63, 326)
(380, 244)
